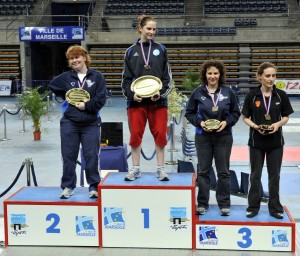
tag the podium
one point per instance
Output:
(144, 213)
(237, 232)
(37, 216)
(147, 212)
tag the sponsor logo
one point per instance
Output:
(279, 238)
(77, 33)
(113, 218)
(18, 224)
(178, 219)
(85, 226)
(156, 52)
(208, 235)
(25, 34)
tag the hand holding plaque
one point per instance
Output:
(146, 86)
(77, 95)
(212, 124)
(265, 128)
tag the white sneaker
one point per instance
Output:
(93, 194)
(162, 174)
(133, 173)
(67, 193)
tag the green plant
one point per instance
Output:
(35, 104)
(176, 102)
(191, 80)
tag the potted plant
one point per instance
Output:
(35, 105)
(191, 80)
(176, 103)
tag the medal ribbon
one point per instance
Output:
(80, 85)
(143, 53)
(265, 103)
(215, 103)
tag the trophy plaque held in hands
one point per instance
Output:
(146, 86)
(77, 95)
(265, 128)
(212, 124)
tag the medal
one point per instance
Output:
(146, 61)
(267, 107)
(214, 109)
(267, 117)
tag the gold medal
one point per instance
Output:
(214, 109)
(267, 117)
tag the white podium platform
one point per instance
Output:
(145, 213)
(37, 216)
(237, 232)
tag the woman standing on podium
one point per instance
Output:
(213, 109)
(80, 123)
(266, 109)
(147, 57)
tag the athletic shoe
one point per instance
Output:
(133, 173)
(67, 193)
(225, 212)
(201, 210)
(162, 174)
(93, 194)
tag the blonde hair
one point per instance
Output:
(77, 50)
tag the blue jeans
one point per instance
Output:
(209, 147)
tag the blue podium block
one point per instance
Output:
(37, 216)
(237, 232)
(147, 213)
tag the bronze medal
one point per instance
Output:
(215, 109)
(267, 117)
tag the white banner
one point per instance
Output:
(288, 85)
(5, 87)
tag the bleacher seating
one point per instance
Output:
(110, 62)
(9, 62)
(196, 31)
(18, 7)
(128, 7)
(245, 23)
(245, 6)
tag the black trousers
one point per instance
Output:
(208, 148)
(273, 160)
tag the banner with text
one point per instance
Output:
(35, 34)
(288, 85)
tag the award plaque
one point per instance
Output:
(146, 86)
(212, 124)
(266, 127)
(77, 95)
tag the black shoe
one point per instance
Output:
(251, 214)
(277, 215)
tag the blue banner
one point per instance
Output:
(35, 34)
